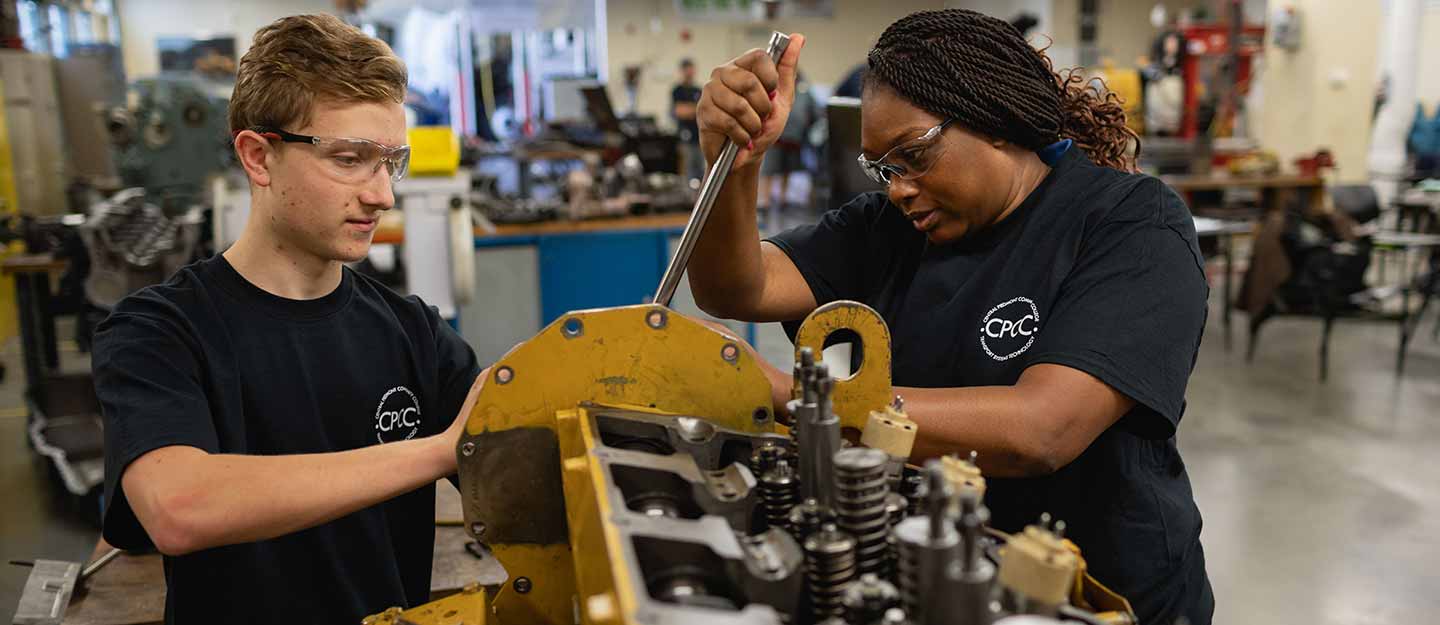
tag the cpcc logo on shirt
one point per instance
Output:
(1010, 328)
(398, 416)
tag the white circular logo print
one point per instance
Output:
(1010, 328)
(397, 417)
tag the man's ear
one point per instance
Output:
(252, 149)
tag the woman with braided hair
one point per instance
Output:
(1045, 302)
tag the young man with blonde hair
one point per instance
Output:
(275, 422)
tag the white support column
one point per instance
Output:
(1399, 65)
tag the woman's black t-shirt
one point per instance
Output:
(1097, 270)
(211, 361)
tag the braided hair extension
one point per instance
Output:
(979, 70)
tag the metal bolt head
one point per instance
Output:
(467, 449)
(503, 375)
(522, 585)
(655, 319)
(477, 529)
(730, 352)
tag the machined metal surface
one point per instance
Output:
(709, 191)
(47, 592)
(680, 535)
(520, 460)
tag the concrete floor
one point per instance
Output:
(1321, 501)
(39, 519)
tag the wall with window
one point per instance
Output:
(55, 27)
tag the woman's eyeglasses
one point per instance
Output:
(349, 160)
(906, 161)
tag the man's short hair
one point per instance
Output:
(686, 62)
(299, 60)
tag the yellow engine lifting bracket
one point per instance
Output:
(869, 387)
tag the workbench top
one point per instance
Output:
(1219, 182)
(392, 226)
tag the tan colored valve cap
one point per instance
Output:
(890, 431)
(1037, 564)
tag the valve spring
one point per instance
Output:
(829, 570)
(868, 599)
(779, 490)
(807, 518)
(861, 488)
(764, 457)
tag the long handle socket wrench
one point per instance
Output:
(708, 192)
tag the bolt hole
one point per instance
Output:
(573, 327)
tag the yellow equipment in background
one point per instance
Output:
(9, 325)
(434, 151)
(1125, 84)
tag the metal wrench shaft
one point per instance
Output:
(708, 192)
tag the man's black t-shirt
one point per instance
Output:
(209, 360)
(1097, 270)
(689, 128)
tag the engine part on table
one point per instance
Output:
(516, 211)
(829, 569)
(171, 138)
(668, 193)
(1037, 569)
(861, 490)
(869, 599)
(584, 199)
(780, 490)
(891, 431)
(133, 243)
(927, 544)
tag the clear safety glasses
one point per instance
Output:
(349, 160)
(909, 160)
